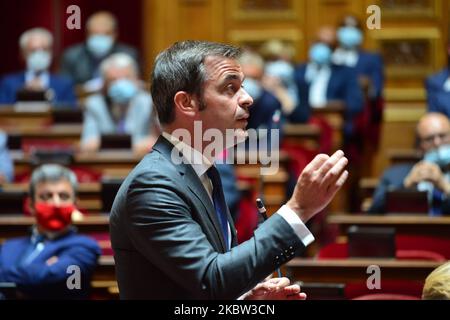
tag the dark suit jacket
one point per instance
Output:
(438, 99)
(62, 87)
(343, 85)
(262, 110)
(371, 65)
(392, 179)
(167, 243)
(40, 281)
(79, 64)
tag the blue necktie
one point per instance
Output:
(436, 205)
(219, 201)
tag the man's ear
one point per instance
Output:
(185, 104)
(30, 206)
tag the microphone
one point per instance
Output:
(263, 212)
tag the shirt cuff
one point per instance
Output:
(297, 224)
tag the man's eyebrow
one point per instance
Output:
(230, 77)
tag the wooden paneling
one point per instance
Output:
(413, 38)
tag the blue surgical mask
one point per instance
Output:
(99, 45)
(320, 53)
(253, 88)
(122, 90)
(349, 37)
(282, 70)
(39, 60)
(439, 156)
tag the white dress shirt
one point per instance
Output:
(44, 77)
(201, 164)
(318, 77)
(344, 57)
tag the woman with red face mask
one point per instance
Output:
(38, 264)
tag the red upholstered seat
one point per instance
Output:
(388, 287)
(408, 247)
(386, 296)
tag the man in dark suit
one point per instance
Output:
(431, 174)
(438, 91)
(320, 83)
(81, 62)
(36, 47)
(171, 232)
(41, 264)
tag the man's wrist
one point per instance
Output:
(297, 209)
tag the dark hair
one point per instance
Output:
(181, 68)
(52, 173)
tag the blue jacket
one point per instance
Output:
(262, 110)
(261, 117)
(62, 87)
(343, 85)
(438, 99)
(6, 163)
(392, 179)
(371, 65)
(38, 280)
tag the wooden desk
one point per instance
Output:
(10, 117)
(407, 224)
(101, 162)
(397, 156)
(334, 115)
(90, 198)
(19, 225)
(69, 134)
(303, 134)
(346, 270)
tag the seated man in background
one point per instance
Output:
(438, 89)
(431, 174)
(368, 65)
(6, 164)
(39, 264)
(81, 62)
(266, 110)
(279, 73)
(437, 284)
(322, 83)
(36, 47)
(123, 107)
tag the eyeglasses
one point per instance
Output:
(443, 136)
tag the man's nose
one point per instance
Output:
(56, 200)
(245, 100)
(437, 141)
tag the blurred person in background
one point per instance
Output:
(437, 284)
(123, 107)
(322, 84)
(36, 46)
(81, 62)
(438, 89)
(430, 175)
(38, 264)
(6, 164)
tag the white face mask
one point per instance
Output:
(439, 156)
(99, 45)
(39, 60)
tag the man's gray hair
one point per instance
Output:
(52, 173)
(25, 37)
(181, 68)
(118, 60)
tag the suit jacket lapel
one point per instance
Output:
(194, 185)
